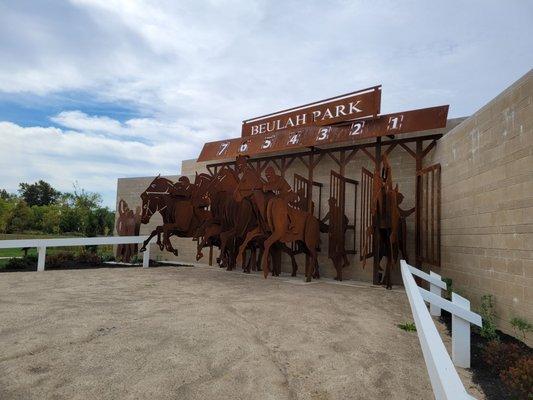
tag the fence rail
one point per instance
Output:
(42, 244)
(444, 379)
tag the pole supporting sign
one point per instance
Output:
(355, 105)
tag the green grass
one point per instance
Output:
(408, 326)
(101, 250)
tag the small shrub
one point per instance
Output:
(88, 257)
(108, 257)
(408, 326)
(520, 324)
(58, 259)
(519, 378)
(488, 330)
(500, 356)
(22, 263)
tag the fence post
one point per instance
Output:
(146, 256)
(433, 309)
(460, 334)
(42, 258)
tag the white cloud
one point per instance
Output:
(95, 161)
(195, 69)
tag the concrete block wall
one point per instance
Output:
(487, 203)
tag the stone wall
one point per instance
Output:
(487, 203)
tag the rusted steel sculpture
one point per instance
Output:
(338, 225)
(183, 208)
(246, 213)
(278, 220)
(389, 228)
(128, 224)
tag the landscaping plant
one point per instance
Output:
(488, 330)
(519, 378)
(520, 324)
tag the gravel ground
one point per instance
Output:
(203, 333)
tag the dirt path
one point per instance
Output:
(201, 333)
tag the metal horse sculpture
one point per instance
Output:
(182, 207)
(338, 225)
(388, 219)
(246, 212)
(278, 220)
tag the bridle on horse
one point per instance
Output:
(148, 194)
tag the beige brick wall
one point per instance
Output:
(487, 203)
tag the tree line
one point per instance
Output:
(38, 207)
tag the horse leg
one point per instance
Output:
(246, 269)
(224, 238)
(266, 251)
(199, 248)
(276, 260)
(388, 273)
(259, 258)
(249, 237)
(316, 274)
(145, 243)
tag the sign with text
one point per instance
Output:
(346, 107)
(316, 136)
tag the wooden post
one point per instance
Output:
(311, 167)
(418, 201)
(375, 240)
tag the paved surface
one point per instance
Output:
(202, 333)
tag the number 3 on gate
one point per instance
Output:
(323, 134)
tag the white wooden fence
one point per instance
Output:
(42, 244)
(444, 378)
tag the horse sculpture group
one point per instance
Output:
(249, 217)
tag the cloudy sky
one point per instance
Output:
(93, 90)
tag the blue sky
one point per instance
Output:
(93, 90)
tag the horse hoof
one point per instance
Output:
(142, 249)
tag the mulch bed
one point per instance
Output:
(482, 374)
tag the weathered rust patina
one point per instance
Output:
(360, 104)
(316, 136)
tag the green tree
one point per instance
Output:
(39, 193)
(20, 218)
(5, 195)
(52, 219)
(71, 220)
(6, 209)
